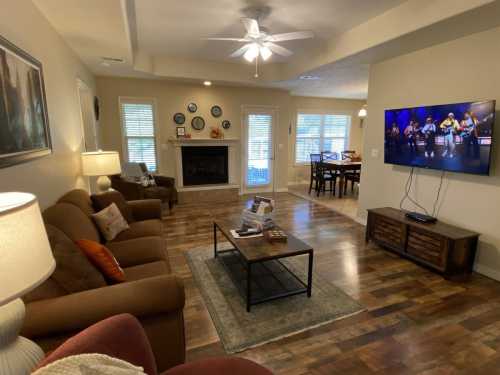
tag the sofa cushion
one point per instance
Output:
(48, 289)
(143, 228)
(79, 198)
(74, 273)
(103, 200)
(72, 221)
(146, 270)
(100, 256)
(138, 250)
(110, 222)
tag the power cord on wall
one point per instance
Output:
(407, 196)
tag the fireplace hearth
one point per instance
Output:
(204, 165)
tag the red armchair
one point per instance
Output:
(123, 337)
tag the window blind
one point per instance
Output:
(259, 149)
(139, 132)
(320, 132)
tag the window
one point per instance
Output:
(320, 132)
(138, 124)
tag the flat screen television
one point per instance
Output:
(452, 137)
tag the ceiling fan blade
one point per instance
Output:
(240, 51)
(291, 36)
(252, 26)
(229, 39)
(278, 49)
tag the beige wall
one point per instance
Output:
(51, 176)
(300, 173)
(462, 70)
(173, 97)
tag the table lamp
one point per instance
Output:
(26, 261)
(101, 163)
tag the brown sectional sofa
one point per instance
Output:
(151, 293)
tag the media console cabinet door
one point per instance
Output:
(388, 232)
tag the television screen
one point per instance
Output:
(451, 137)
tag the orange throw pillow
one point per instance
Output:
(103, 259)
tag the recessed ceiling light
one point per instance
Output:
(207, 83)
(308, 77)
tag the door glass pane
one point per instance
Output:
(259, 148)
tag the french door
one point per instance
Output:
(259, 151)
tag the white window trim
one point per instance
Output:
(140, 100)
(323, 111)
(245, 110)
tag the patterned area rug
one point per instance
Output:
(270, 321)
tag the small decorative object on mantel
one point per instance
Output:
(226, 124)
(216, 133)
(180, 131)
(192, 107)
(179, 118)
(198, 123)
(24, 122)
(216, 111)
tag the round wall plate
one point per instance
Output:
(226, 124)
(179, 118)
(216, 111)
(198, 123)
(192, 107)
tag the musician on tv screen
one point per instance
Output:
(429, 133)
(410, 133)
(470, 133)
(394, 136)
(449, 127)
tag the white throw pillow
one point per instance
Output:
(86, 364)
(110, 221)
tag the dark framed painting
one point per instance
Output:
(24, 122)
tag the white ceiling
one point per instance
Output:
(163, 38)
(176, 28)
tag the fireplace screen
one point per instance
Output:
(204, 165)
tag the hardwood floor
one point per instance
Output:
(416, 322)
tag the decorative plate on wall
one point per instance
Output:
(216, 111)
(179, 118)
(192, 107)
(226, 124)
(198, 123)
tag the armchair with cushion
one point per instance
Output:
(122, 337)
(164, 188)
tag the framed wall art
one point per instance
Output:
(24, 123)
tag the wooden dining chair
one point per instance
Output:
(347, 154)
(329, 155)
(353, 177)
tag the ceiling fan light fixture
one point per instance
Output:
(265, 53)
(252, 52)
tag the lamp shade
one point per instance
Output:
(101, 163)
(25, 255)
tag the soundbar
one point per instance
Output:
(421, 218)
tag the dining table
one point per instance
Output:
(341, 167)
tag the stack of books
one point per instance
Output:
(254, 220)
(259, 215)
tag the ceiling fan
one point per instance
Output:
(258, 42)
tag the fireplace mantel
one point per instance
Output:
(233, 160)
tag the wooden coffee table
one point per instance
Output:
(255, 268)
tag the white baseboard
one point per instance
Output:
(282, 190)
(487, 271)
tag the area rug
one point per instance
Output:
(270, 321)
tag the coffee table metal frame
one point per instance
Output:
(305, 287)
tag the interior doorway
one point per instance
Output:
(88, 120)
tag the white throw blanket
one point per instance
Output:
(90, 364)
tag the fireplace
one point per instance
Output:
(204, 165)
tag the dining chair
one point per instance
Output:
(323, 174)
(329, 155)
(347, 154)
(354, 177)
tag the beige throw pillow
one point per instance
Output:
(110, 221)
